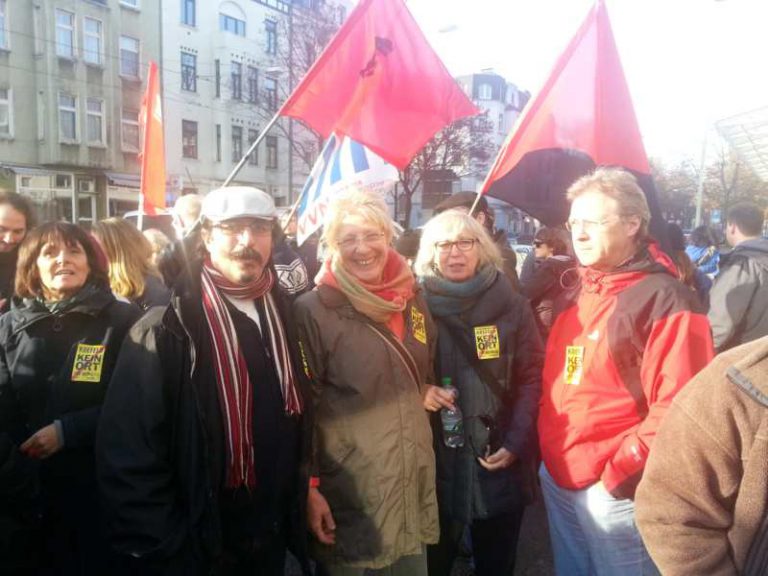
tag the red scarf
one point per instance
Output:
(394, 290)
(233, 383)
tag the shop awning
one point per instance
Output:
(122, 179)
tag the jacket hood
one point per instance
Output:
(750, 372)
(755, 247)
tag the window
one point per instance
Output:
(63, 182)
(6, 113)
(217, 79)
(253, 159)
(129, 57)
(94, 119)
(231, 24)
(218, 142)
(3, 31)
(188, 13)
(67, 117)
(92, 40)
(253, 84)
(131, 3)
(501, 123)
(237, 81)
(129, 124)
(188, 72)
(485, 92)
(188, 139)
(237, 143)
(271, 28)
(270, 93)
(271, 142)
(65, 34)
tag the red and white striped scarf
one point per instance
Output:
(234, 386)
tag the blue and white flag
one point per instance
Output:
(342, 163)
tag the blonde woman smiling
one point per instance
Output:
(368, 341)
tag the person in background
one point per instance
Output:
(186, 213)
(738, 300)
(131, 273)
(702, 505)
(369, 344)
(187, 246)
(489, 349)
(703, 250)
(690, 275)
(59, 345)
(616, 357)
(158, 241)
(463, 202)
(407, 245)
(16, 220)
(553, 273)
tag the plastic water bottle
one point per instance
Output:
(453, 420)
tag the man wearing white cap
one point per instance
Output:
(201, 440)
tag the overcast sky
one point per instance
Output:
(688, 63)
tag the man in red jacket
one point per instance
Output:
(629, 340)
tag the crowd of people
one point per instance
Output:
(203, 405)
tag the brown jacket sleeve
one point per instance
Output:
(685, 500)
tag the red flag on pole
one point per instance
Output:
(380, 83)
(153, 147)
(583, 117)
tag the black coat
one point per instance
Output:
(549, 279)
(161, 447)
(465, 490)
(40, 384)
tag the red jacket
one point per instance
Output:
(615, 359)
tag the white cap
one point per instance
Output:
(238, 202)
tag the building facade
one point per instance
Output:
(227, 68)
(71, 82)
(502, 102)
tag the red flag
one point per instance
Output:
(380, 83)
(153, 146)
(582, 117)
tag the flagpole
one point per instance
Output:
(250, 150)
(479, 194)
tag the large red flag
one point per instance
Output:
(583, 117)
(153, 146)
(380, 83)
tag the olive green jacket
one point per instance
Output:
(372, 440)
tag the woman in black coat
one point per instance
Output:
(58, 345)
(489, 348)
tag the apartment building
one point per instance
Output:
(71, 82)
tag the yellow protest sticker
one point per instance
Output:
(89, 360)
(304, 362)
(574, 364)
(419, 326)
(487, 342)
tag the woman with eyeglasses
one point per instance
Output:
(489, 348)
(553, 273)
(368, 343)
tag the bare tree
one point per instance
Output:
(304, 32)
(464, 148)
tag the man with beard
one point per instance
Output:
(16, 219)
(200, 442)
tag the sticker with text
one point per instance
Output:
(89, 360)
(574, 364)
(419, 326)
(487, 342)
